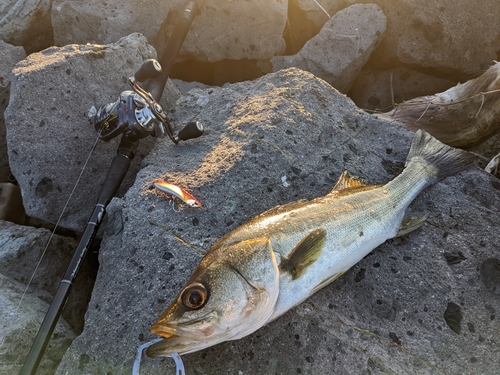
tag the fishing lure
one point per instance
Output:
(179, 366)
(177, 192)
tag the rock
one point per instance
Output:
(236, 30)
(224, 29)
(433, 34)
(20, 317)
(40, 258)
(342, 47)
(26, 23)
(184, 86)
(380, 90)
(11, 55)
(49, 137)
(106, 22)
(490, 274)
(284, 137)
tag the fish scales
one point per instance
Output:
(279, 258)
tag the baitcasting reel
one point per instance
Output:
(137, 114)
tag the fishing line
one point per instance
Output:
(323, 9)
(50, 239)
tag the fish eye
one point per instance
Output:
(194, 296)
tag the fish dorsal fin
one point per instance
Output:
(305, 253)
(346, 180)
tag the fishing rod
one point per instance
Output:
(135, 115)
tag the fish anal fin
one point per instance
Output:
(410, 223)
(305, 253)
(346, 180)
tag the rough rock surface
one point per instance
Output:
(11, 55)
(19, 323)
(415, 305)
(341, 48)
(237, 29)
(21, 259)
(453, 35)
(105, 22)
(380, 90)
(224, 29)
(26, 23)
(48, 135)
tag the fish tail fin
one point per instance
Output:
(445, 159)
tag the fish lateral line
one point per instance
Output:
(305, 253)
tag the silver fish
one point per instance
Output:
(279, 258)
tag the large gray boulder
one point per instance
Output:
(39, 257)
(415, 305)
(26, 23)
(460, 36)
(20, 317)
(105, 22)
(224, 30)
(49, 137)
(11, 55)
(342, 47)
(238, 29)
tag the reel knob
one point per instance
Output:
(149, 70)
(193, 129)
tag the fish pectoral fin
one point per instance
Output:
(305, 253)
(410, 223)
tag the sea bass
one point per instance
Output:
(279, 258)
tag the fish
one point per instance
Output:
(276, 260)
(178, 193)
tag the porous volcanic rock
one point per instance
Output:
(26, 23)
(451, 35)
(10, 56)
(20, 318)
(342, 47)
(416, 304)
(104, 22)
(223, 30)
(49, 137)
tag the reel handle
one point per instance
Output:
(149, 70)
(193, 129)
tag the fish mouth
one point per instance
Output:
(166, 347)
(178, 340)
(195, 329)
(168, 330)
(161, 348)
(165, 331)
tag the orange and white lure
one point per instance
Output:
(177, 192)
